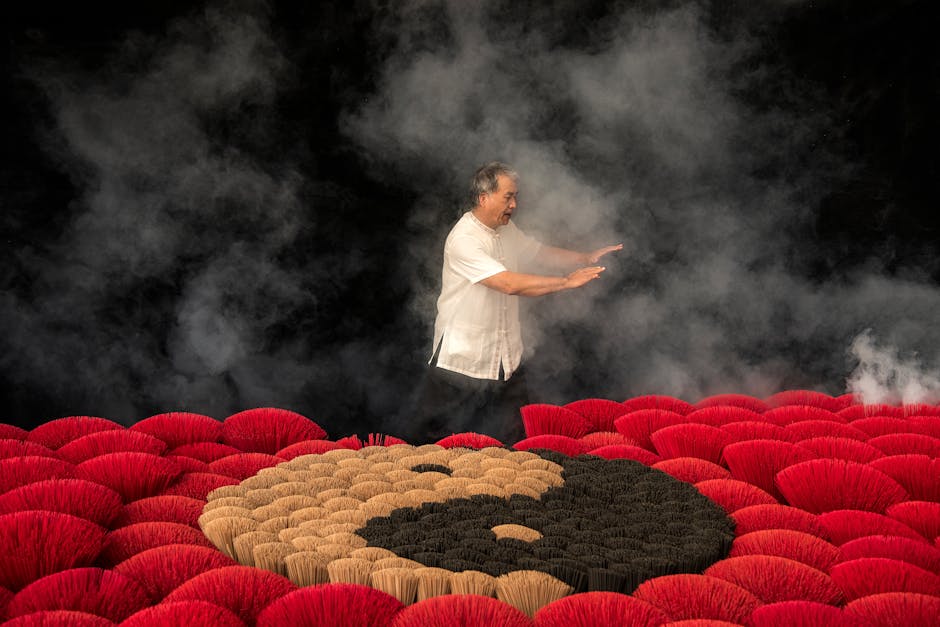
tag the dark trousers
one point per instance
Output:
(449, 402)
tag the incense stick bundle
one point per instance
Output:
(291, 488)
(275, 524)
(244, 545)
(270, 556)
(266, 512)
(401, 583)
(335, 551)
(473, 582)
(223, 531)
(350, 570)
(432, 582)
(530, 590)
(305, 542)
(261, 496)
(396, 562)
(238, 500)
(223, 512)
(349, 516)
(307, 568)
(518, 532)
(372, 553)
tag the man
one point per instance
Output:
(475, 382)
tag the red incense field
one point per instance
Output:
(798, 509)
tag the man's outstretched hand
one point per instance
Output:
(585, 275)
(595, 256)
(582, 275)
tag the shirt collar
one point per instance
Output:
(481, 225)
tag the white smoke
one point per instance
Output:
(883, 375)
(161, 290)
(636, 134)
(189, 243)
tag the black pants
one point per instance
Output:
(448, 402)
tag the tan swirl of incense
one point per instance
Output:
(300, 517)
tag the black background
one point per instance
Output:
(872, 64)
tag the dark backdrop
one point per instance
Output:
(213, 207)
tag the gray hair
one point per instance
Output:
(485, 179)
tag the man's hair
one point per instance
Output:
(485, 179)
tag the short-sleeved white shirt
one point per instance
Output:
(477, 328)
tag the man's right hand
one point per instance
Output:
(583, 275)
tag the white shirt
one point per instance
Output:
(477, 327)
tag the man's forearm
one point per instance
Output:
(520, 284)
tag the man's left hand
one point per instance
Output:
(592, 258)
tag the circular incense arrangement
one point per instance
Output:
(422, 521)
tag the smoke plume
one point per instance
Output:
(651, 128)
(885, 376)
(191, 272)
(212, 260)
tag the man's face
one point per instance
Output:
(497, 208)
